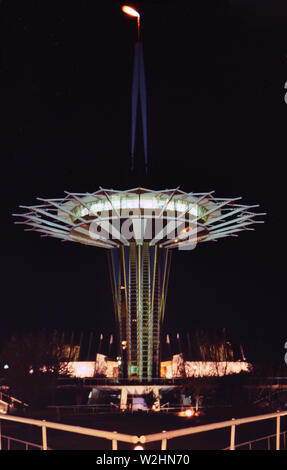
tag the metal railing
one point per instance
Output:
(3, 406)
(261, 439)
(164, 436)
(113, 437)
(10, 399)
(22, 443)
(119, 381)
(109, 408)
(77, 410)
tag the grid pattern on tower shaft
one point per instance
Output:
(139, 283)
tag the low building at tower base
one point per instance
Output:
(173, 369)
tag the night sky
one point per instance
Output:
(217, 120)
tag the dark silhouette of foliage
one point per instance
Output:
(34, 361)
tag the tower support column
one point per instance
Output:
(139, 277)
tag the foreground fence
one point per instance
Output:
(113, 438)
(62, 411)
(164, 436)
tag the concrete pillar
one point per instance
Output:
(157, 399)
(124, 398)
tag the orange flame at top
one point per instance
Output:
(130, 11)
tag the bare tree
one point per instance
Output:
(216, 348)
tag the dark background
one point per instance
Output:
(217, 120)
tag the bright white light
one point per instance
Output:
(130, 11)
(6, 366)
(85, 211)
(147, 201)
(81, 368)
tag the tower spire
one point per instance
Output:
(138, 90)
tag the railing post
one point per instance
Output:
(115, 443)
(44, 436)
(278, 432)
(232, 437)
(163, 443)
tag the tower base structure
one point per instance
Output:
(133, 397)
(139, 278)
